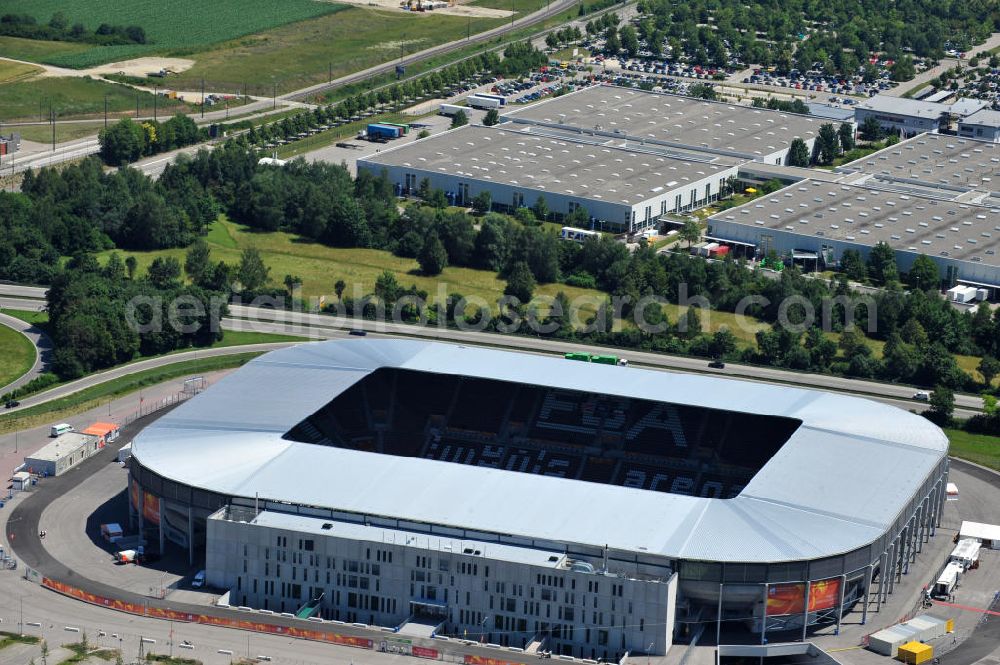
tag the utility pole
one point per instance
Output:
(156, 93)
(203, 98)
(137, 106)
(512, 13)
(105, 111)
(20, 623)
(330, 77)
(274, 95)
(53, 120)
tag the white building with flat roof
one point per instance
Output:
(623, 185)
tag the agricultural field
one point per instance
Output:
(180, 26)
(29, 100)
(67, 131)
(296, 56)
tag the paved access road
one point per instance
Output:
(38, 339)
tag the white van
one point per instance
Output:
(60, 429)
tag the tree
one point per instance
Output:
(492, 118)
(853, 265)
(903, 69)
(541, 208)
(130, 265)
(197, 261)
(122, 142)
(942, 403)
(338, 288)
(520, 282)
(871, 129)
(882, 264)
(459, 119)
(433, 257)
(703, 91)
(827, 144)
(989, 368)
(846, 135)
(690, 232)
(482, 201)
(551, 40)
(252, 273)
(798, 153)
(164, 272)
(629, 40)
(924, 274)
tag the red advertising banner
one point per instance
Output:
(241, 624)
(424, 652)
(483, 660)
(790, 598)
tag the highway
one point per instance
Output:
(321, 326)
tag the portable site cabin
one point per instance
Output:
(918, 629)
(62, 454)
(966, 553)
(948, 579)
(111, 532)
(987, 534)
(21, 481)
(915, 653)
(105, 433)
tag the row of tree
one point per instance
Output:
(126, 141)
(59, 29)
(830, 143)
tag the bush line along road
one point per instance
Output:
(320, 326)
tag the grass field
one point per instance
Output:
(34, 50)
(295, 56)
(64, 131)
(74, 97)
(37, 318)
(17, 355)
(15, 71)
(320, 266)
(176, 27)
(978, 448)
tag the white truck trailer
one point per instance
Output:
(948, 579)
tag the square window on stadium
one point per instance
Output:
(595, 437)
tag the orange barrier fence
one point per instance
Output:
(241, 624)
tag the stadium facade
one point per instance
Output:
(527, 501)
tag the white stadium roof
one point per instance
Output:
(837, 484)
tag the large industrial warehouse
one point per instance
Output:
(529, 501)
(621, 186)
(626, 156)
(932, 194)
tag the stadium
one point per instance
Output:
(536, 502)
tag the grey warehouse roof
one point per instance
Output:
(825, 492)
(597, 169)
(692, 122)
(867, 216)
(936, 159)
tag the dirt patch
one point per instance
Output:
(141, 66)
(454, 10)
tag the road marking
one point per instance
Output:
(227, 652)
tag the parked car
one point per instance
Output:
(11, 404)
(922, 395)
(717, 364)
